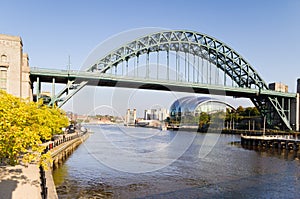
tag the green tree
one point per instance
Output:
(240, 110)
(255, 112)
(23, 127)
(203, 119)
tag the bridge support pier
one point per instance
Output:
(53, 90)
(295, 113)
(38, 89)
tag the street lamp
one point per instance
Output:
(249, 121)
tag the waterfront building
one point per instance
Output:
(278, 86)
(196, 111)
(14, 67)
(130, 118)
(156, 114)
(72, 116)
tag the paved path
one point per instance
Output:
(20, 182)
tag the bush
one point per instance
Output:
(23, 127)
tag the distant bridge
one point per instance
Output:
(178, 60)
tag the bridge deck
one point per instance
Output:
(102, 79)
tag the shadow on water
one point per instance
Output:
(271, 151)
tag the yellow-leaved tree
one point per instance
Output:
(23, 128)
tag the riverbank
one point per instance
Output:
(233, 131)
(25, 181)
(62, 149)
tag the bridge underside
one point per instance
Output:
(125, 82)
(76, 80)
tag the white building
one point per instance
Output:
(156, 114)
(130, 118)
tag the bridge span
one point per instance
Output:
(178, 60)
(103, 79)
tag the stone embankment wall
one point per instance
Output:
(64, 147)
(60, 150)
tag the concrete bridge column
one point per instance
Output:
(53, 91)
(295, 109)
(298, 112)
(38, 89)
(298, 106)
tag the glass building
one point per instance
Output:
(198, 111)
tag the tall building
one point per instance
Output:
(14, 67)
(156, 114)
(295, 109)
(130, 118)
(151, 114)
(278, 86)
(298, 85)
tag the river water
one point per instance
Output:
(129, 162)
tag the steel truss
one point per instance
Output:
(206, 47)
(69, 91)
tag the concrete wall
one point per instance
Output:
(59, 155)
(64, 150)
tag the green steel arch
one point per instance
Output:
(221, 55)
(207, 47)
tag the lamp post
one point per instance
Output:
(264, 130)
(249, 121)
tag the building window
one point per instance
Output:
(3, 77)
(3, 58)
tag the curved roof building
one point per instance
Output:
(188, 109)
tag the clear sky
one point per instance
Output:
(265, 32)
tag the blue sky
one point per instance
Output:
(266, 32)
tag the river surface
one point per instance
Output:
(129, 162)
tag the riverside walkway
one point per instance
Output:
(59, 149)
(20, 182)
(29, 182)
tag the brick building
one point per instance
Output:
(278, 86)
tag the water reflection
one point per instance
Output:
(275, 152)
(228, 171)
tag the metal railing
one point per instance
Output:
(49, 146)
(52, 144)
